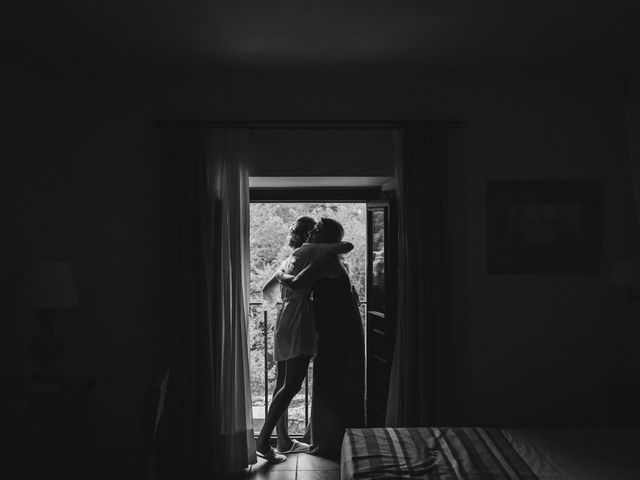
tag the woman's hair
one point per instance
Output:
(305, 224)
(332, 228)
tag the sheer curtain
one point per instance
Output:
(231, 244)
(206, 212)
(419, 390)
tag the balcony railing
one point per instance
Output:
(263, 370)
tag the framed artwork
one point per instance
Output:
(544, 227)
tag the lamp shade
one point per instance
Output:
(48, 284)
(625, 273)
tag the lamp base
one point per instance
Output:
(45, 347)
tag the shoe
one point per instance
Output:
(272, 456)
(296, 447)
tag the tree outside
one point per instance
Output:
(268, 234)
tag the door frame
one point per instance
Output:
(316, 194)
(372, 197)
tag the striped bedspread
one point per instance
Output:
(431, 453)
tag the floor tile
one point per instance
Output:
(241, 475)
(263, 466)
(313, 462)
(318, 475)
(273, 475)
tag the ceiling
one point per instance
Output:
(434, 35)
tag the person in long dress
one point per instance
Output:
(295, 341)
(338, 368)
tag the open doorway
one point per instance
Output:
(366, 211)
(268, 233)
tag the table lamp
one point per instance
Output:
(47, 286)
(626, 273)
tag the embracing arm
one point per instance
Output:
(271, 289)
(271, 283)
(338, 248)
(314, 272)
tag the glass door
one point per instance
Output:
(381, 281)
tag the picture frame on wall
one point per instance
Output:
(544, 227)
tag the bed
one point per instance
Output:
(473, 453)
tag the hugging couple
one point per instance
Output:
(327, 328)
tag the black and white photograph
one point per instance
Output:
(320, 240)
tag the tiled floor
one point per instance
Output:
(299, 466)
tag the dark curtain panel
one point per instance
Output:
(633, 143)
(419, 391)
(191, 397)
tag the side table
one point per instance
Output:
(44, 429)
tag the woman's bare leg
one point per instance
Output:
(295, 371)
(282, 427)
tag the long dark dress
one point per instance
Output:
(338, 368)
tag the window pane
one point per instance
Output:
(378, 300)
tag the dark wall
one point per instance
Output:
(81, 180)
(299, 153)
(542, 348)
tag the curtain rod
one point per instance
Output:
(310, 124)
